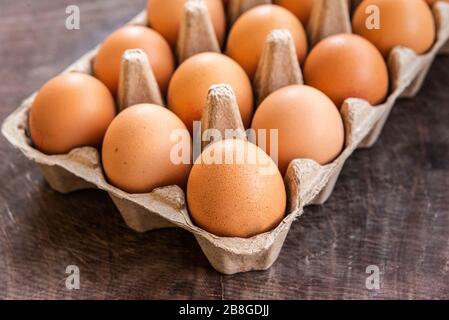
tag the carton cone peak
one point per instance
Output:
(137, 82)
(222, 113)
(196, 33)
(278, 65)
(328, 18)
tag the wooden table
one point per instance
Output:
(390, 207)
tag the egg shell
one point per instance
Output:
(190, 84)
(71, 110)
(308, 123)
(347, 66)
(165, 16)
(301, 8)
(407, 23)
(137, 149)
(236, 200)
(249, 33)
(108, 60)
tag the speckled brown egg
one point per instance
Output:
(308, 125)
(248, 35)
(108, 60)
(190, 84)
(137, 149)
(347, 66)
(407, 23)
(71, 110)
(165, 17)
(236, 198)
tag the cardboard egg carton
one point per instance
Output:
(306, 181)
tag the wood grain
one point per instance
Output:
(389, 208)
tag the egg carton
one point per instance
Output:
(306, 181)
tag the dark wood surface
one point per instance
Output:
(390, 207)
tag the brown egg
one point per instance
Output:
(308, 123)
(70, 111)
(108, 60)
(347, 66)
(137, 149)
(165, 17)
(190, 84)
(301, 8)
(236, 198)
(248, 35)
(406, 23)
